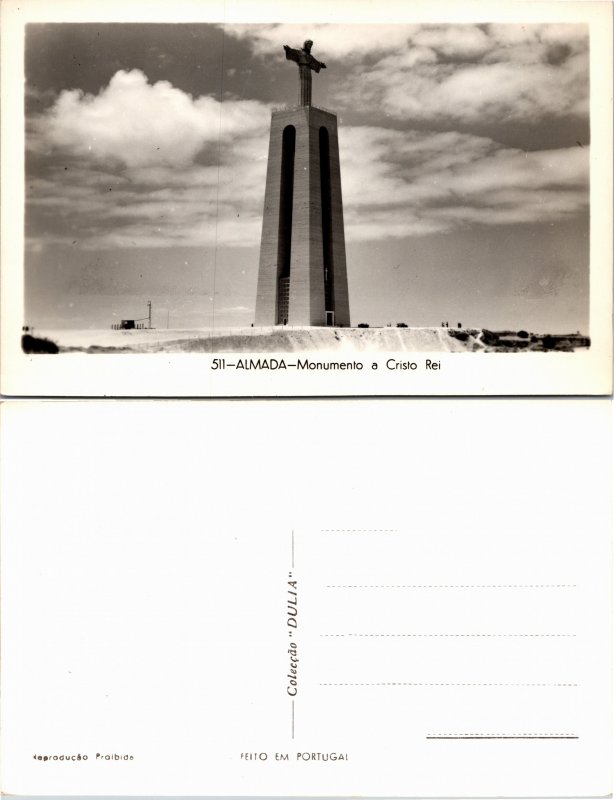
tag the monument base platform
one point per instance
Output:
(276, 339)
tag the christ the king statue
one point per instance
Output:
(306, 62)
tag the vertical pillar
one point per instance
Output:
(302, 272)
(304, 85)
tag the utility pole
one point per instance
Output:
(149, 312)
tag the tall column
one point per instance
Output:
(302, 224)
(304, 85)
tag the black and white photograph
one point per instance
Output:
(323, 187)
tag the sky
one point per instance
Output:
(464, 166)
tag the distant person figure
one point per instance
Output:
(459, 325)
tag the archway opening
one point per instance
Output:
(327, 221)
(284, 239)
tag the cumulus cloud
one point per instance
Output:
(135, 123)
(150, 166)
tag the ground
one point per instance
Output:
(287, 340)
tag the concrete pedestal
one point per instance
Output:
(302, 278)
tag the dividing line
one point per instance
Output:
(451, 586)
(359, 530)
(450, 635)
(292, 539)
(504, 736)
(407, 683)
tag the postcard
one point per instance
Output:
(217, 199)
(273, 598)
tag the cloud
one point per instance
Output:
(474, 74)
(148, 165)
(487, 92)
(350, 42)
(458, 41)
(189, 209)
(103, 184)
(424, 182)
(134, 123)
(467, 73)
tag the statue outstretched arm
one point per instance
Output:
(291, 53)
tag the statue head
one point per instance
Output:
(307, 45)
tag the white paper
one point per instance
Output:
(449, 562)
